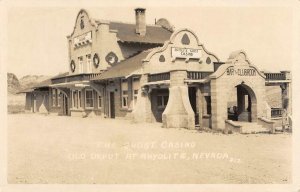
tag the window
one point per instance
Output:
(135, 89)
(99, 100)
(80, 63)
(124, 99)
(76, 99)
(54, 97)
(88, 63)
(58, 97)
(162, 101)
(89, 99)
(124, 88)
(79, 99)
(208, 104)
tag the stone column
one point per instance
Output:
(287, 93)
(142, 110)
(200, 106)
(179, 112)
(219, 98)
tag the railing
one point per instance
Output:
(276, 112)
(198, 75)
(275, 76)
(158, 77)
(77, 77)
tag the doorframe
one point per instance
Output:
(109, 105)
(197, 110)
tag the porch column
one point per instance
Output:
(200, 106)
(142, 110)
(286, 92)
(179, 112)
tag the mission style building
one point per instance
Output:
(152, 73)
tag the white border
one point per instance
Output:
(5, 4)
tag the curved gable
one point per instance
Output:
(83, 23)
(237, 61)
(182, 51)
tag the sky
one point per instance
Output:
(37, 43)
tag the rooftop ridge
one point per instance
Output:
(99, 21)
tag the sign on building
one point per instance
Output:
(83, 39)
(185, 53)
(231, 71)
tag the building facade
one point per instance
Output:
(153, 73)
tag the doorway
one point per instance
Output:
(193, 101)
(65, 105)
(33, 103)
(159, 100)
(112, 104)
(243, 107)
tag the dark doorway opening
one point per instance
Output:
(112, 104)
(33, 103)
(159, 101)
(65, 105)
(193, 101)
(242, 108)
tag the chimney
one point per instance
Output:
(140, 19)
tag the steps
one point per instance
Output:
(252, 127)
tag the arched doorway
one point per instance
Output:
(243, 107)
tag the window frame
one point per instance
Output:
(58, 99)
(99, 96)
(85, 99)
(80, 64)
(74, 106)
(124, 97)
(88, 63)
(54, 98)
(135, 87)
(164, 103)
(76, 99)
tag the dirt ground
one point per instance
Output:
(64, 150)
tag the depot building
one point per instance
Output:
(154, 73)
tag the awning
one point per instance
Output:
(72, 84)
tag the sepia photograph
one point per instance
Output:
(142, 93)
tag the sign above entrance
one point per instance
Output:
(231, 71)
(83, 39)
(185, 53)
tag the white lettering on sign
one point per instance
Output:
(185, 53)
(241, 72)
(83, 39)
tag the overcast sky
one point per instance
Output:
(37, 43)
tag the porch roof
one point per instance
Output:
(130, 66)
(27, 90)
(71, 84)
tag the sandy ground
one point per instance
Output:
(56, 149)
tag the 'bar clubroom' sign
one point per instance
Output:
(240, 72)
(185, 53)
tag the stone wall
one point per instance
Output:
(220, 91)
